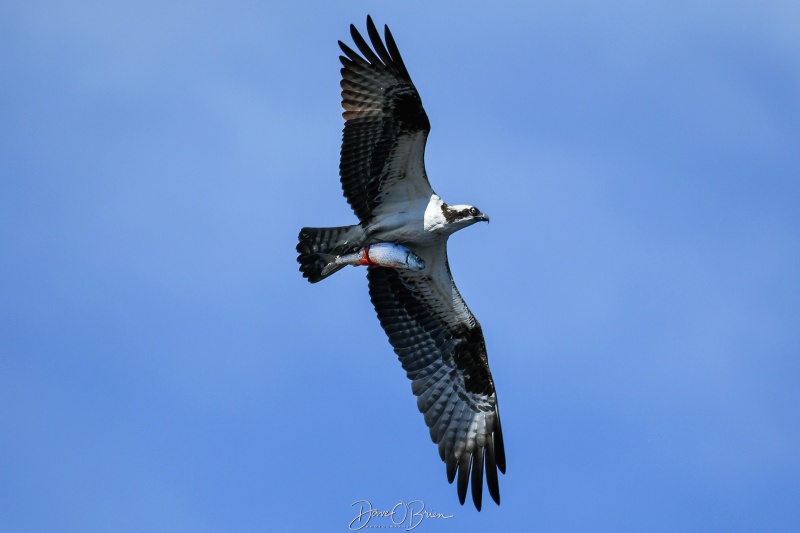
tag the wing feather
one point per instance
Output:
(477, 479)
(362, 45)
(441, 347)
(386, 127)
(375, 38)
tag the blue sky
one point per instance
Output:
(164, 367)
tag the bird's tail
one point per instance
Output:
(318, 247)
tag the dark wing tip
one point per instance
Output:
(463, 478)
(363, 47)
(451, 466)
(379, 54)
(380, 48)
(499, 448)
(492, 483)
(397, 59)
(477, 478)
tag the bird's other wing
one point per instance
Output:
(441, 347)
(383, 144)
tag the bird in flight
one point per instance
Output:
(437, 339)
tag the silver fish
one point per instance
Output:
(385, 254)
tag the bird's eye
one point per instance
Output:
(474, 211)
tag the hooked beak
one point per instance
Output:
(483, 217)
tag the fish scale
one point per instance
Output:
(385, 254)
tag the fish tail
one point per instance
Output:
(317, 249)
(331, 265)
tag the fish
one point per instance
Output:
(385, 254)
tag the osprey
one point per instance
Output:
(437, 339)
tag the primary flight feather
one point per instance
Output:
(437, 339)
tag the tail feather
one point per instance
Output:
(316, 247)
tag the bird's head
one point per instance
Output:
(461, 216)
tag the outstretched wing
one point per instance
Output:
(441, 347)
(383, 143)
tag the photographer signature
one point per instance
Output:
(403, 514)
